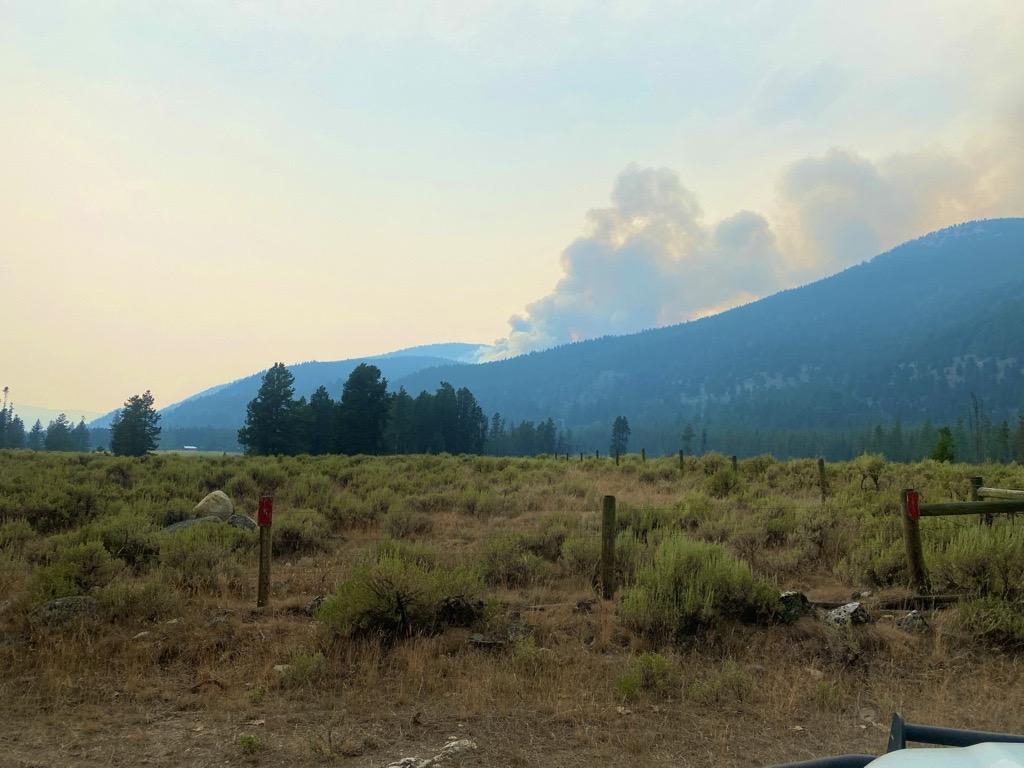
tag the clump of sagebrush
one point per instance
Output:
(304, 669)
(298, 531)
(724, 482)
(510, 561)
(690, 585)
(994, 621)
(76, 569)
(204, 556)
(394, 598)
(649, 673)
(981, 561)
(403, 523)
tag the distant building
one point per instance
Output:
(190, 448)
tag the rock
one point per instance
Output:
(490, 643)
(313, 605)
(217, 504)
(860, 595)
(794, 605)
(451, 749)
(847, 615)
(282, 668)
(242, 521)
(190, 522)
(64, 609)
(913, 622)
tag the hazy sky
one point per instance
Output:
(190, 191)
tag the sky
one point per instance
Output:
(192, 191)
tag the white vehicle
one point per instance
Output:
(957, 749)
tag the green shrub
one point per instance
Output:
(724, 482)
(508, 562)
(14, 534)
(393, 599)
(999, 623)
(688, 586)
(981, 561)
(727, 684)
(304, 670)
(76, 569)
(403, 523)
(128, 535)
(204, 556)
(581, 552)
(250, 744)
(131, 600)
(299, 531)
(412, 552)
(649, 673)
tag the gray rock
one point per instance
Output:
(217, 504)
(242, 521)
(847, 615)
(65, 609)
(913, 622)
(313, 605)
(794, 605)
(190, 522)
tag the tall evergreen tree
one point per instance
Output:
(37, 437)
(270, 418)
(80, 436)
(58, 434)
(400, 435)
(363, 411)
(620, 436)
(944, 449)
(322, 416)
(471, 423)
(135, 429)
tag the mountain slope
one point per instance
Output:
(909, 334)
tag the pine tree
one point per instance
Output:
(80, 437)
(400, 435)
(270, 417)
(363, 411)
(322, 417)
(620, 436)
(58, 434)
(37, 437)
(15, 432)
(944, 449)
(134, 430)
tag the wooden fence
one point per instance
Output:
(985, 502)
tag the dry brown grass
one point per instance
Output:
(187, 690)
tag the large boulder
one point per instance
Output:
(216, 504)
(65, 609)
(244, 522)
(793, 606)
(847, 615)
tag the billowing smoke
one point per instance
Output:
(649, 259)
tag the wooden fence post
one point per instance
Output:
(976, 483)
(682, 464)
(264, 519)
(909, 506)
(643, 454)
(735, 465)
(616, 458)
(597, 454)
(822, 480)
(581, 455)
(608, 547)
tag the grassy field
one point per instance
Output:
(460, 602)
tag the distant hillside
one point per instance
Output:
(223, 406)
(910, 335)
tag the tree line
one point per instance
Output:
(59, 435)
(368, 419)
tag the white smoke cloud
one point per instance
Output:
(649, 259)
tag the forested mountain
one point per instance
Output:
(908, 336)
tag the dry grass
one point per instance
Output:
(200, 688)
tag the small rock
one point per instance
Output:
(217, 621)
(173, 621)
(244, 522)
(847, 615)
(860, 595)
(190, 522)
(216, 504)
(913, 622)
(794, 605)
(313, 605)
(479, 641)
(282, 668)
(65, 609)
(624, 710)
(585, 606)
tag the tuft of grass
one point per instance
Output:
(648, 673)
(690, 585)
(250, 744)
(300, 531)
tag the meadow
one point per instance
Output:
(417, 600)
